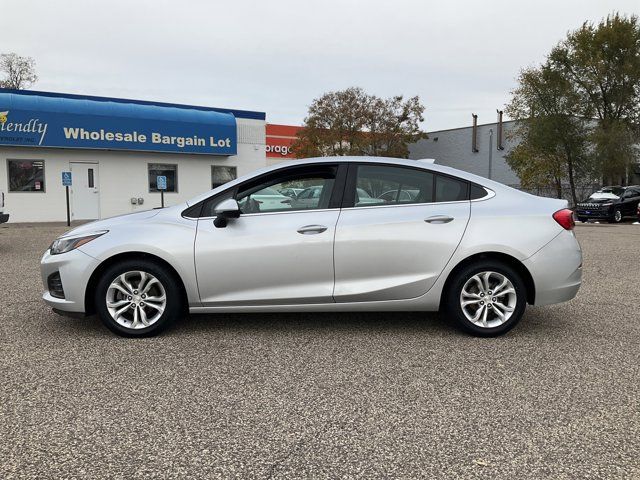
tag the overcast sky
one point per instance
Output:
(277, 56)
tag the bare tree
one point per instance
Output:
(20, 72)
(352, 122)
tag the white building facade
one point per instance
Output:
(115, 150)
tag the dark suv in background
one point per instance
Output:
(610, 203)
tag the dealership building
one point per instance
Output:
(115, 150)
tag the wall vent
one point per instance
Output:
(499, 141)
(474, 134)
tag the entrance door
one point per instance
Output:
(85, 198)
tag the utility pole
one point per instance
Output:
(490, 152)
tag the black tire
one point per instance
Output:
(617, 216)
(582, 219)
(453, 309)
(172, 309)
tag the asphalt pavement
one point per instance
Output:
(375, 395)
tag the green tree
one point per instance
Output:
(602, 63)
(553, 141)
(19, 72)
(352, 122)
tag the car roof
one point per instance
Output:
(418, 163)
(432, 167)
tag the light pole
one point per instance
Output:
(490, 152)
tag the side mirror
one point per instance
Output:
(225, 210)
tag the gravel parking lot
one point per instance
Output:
(325, 395)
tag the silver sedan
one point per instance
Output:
(473, 248)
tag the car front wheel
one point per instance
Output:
(137, 298)
(617, 216)
(486, 298)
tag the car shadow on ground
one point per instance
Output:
(542, 322)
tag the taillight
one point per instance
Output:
(564, 218)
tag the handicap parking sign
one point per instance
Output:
(161, 182)
(66, 179)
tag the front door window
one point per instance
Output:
(277, 194)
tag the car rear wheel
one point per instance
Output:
(137, 298)
(486, 298)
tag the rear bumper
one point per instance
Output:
(556, 269)
(4, 217)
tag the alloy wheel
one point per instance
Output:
(136, 299)
(488, 299)
(617, 216)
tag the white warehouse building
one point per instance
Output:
(115, 149)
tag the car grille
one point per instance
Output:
(592, 206)
(54, 283)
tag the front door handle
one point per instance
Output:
(438, 219)
(311, 229)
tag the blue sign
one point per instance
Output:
(66, 179)
(161, 182)
(42, 121)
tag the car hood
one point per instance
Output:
(108, 223)
(602, 196)
(598, 201)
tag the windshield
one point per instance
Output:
(610, 193)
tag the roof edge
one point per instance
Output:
(236, 113)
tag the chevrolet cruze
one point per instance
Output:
(473, 248)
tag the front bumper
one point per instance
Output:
(593, 213)
(556, 269)
(75, 268)
(4, 217)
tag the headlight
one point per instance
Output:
(66, 244)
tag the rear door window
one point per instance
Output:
(450, 189)
(390, 185)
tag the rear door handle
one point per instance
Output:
(311, 229)
(438, 219)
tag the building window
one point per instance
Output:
(161, 169)
(221, 175)
(26, 175)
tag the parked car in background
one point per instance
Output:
(612, 203)
(399, 195)
(291, 192)
(363, 198)
(476, 249)
(4, 217)
(265, 200)
(308, 198)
